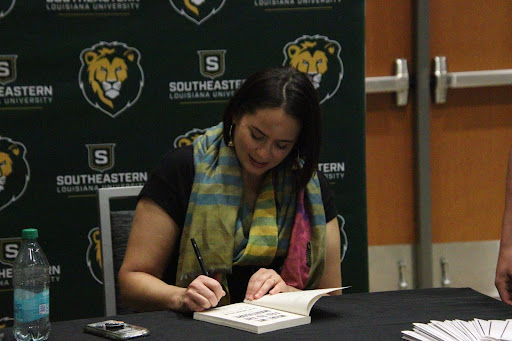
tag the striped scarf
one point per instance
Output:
(279, 226)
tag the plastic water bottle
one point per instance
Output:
(31, 282)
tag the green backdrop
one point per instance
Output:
(171, 66)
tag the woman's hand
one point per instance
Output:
(265, 281)
(202, 293)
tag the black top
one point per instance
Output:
(170, 185)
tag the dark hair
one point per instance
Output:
(291, 90)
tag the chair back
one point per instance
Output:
(343, 237)
(114, 230)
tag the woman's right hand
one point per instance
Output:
(202, 293)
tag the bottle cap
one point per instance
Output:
(29, 234)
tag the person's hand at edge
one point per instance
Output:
(503, 280)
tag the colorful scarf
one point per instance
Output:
(280, 226)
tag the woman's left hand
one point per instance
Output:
(263, 281)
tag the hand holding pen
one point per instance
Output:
(201, 261)
(204, 292)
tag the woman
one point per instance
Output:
(248, 192)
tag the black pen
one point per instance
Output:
(199, 258)
(201, 262)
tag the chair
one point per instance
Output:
(115, 228)
(343, 237)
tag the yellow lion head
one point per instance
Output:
(318, 57)
(107, 72)
(7, 158)
(307, 58)
(113, 75)
(6, 164)
(14, 171)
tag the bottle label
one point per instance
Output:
(30, 306)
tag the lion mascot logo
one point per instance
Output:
(197, 10)
(14, 171)
(93, 255)
(111, 77)
(5, 7)
(319, 58)
(188, 138)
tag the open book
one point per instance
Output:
(271, 312)
(474, 330)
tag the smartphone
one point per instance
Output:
(116, 330)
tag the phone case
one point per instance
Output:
(116, 330)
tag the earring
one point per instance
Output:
(230, 143)
(296, 163)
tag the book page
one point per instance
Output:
(457, 330)
(298, 302)
(448, 328)
(507, 332)
(415, 336)
(469, 329)
(484, 325)
(497, 327)
(433, 332)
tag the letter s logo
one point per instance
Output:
(5, 70)
(101, 157)
(11, 251)
(212, 63)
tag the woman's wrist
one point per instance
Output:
(176, 300)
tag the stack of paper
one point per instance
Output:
(457, 330)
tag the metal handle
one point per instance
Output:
(445, 281)
(466, 79)
(402, 282)
(398, 83)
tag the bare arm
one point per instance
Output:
(153, 238)
(331, 277)
(503, 279)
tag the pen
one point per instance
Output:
(201, 262)
(199, 258)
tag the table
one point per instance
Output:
(368, 316)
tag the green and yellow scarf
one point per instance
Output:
(280, 226)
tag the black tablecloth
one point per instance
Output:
(369, 316)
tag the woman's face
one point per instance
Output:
(263, 139)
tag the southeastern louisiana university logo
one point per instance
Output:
(5, 7)
(319, 58)
(7, 68)
(111, 77)
(101, 156)
(14, 171)
(197, 10)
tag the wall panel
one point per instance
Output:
(180, 62)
